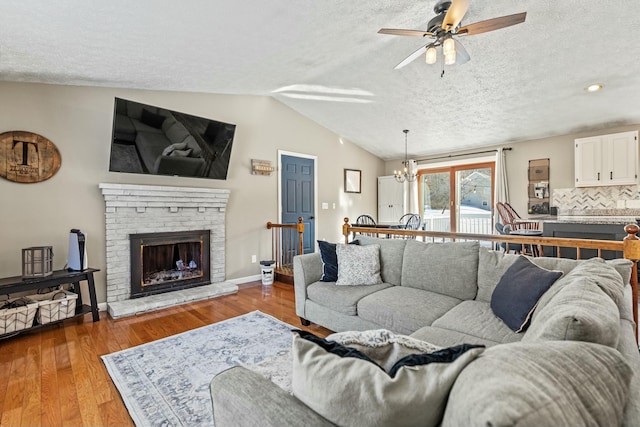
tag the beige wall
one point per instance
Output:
(559, 151)
(78, 120)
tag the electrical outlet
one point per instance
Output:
(254, 259)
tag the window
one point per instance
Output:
(458, 198)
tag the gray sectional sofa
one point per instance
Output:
(155, 133)
(441, 293)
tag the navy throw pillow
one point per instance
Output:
(330, 260)
(518, 291)
(152, 119)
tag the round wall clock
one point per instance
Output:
(27, 157)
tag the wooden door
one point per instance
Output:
(298, 196)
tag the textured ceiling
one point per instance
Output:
(325, 60)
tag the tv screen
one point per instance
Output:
(158, 141)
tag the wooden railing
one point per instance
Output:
(629, 248)
(286, 242)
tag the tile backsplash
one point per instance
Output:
(615, 200)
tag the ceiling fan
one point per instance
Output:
(444, 26)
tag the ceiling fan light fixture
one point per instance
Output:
(450, 58)
(431, 55)
(448, 45)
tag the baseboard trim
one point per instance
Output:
(241, 280)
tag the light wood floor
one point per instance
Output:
(55, 377)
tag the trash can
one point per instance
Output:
(267, 272)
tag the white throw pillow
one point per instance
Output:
(179, 146)
(350, 389)
(358, 265)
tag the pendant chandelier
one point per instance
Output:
(405, 174)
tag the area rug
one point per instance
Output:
(166, 382)
(124, 158)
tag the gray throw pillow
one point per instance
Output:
(358, 265)
(563, 383)
(325, 373)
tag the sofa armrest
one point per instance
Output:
(242, 397)
(307, 269)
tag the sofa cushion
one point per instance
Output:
(447, 337)
(404, 310)
(177, 133)
(150, 147)
(518, 291)
(605, 275)
(168, 122)
(343, 299)
(493, 264)
(579, 311)
(446, 268)
(476, 319)
(413, 393)
(541, 384)
(358, 266)
(391, 255)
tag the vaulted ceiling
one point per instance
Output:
(325, 60)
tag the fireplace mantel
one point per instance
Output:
(138, 209)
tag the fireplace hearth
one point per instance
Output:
(164, 262)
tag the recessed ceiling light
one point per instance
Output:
(594, 87)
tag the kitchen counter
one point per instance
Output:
(593, 219)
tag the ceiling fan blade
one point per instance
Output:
(492, 24)
(412, 57)
(462, 56)
(411, 33)
(455, 14)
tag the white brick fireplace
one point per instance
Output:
(137, 209)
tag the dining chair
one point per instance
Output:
(410, 221)
(366, 220)
(510, 217)
(504, 229)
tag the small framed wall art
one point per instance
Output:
(352, 182)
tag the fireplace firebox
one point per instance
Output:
(165, 262)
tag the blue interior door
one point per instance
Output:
(298, 197)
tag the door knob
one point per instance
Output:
(312, 217)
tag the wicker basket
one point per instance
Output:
(18, 318)
(56, 305)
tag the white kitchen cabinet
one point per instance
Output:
(607, 160)
(390, 200)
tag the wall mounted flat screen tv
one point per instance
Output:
(158, 141)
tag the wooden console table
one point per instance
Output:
(13, 285)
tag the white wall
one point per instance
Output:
(559, 151)
(78, 121)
